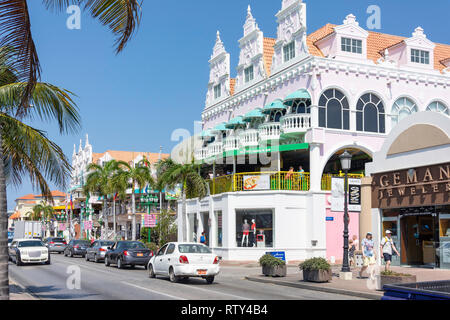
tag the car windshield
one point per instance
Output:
(133, 245)
(193, 248)
(106, 243)
(86, 243)
(57, 240)
(30, 243)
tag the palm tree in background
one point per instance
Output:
(24, 150)
(122, 17)
(171, 174)
(139, 176)
(98, 181)
(118, 186)
(43, 212)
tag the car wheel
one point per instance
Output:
(48, 261)
(119, 264)
(95, 258)
(145, 267)
(59, 252)
(210, 280)
(65, 253)
(106, 261)
(151, 273)
(70, 254)
(172, 276)
(18, 261)
(86, 257)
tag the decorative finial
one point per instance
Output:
(249, 10)
(350, 19)
(87, 140)
(218, 36)
(418, 32)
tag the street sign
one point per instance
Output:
(150, 221)
(278, 254)
(329, 218)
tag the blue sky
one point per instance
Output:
(133, 101)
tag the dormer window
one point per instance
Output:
(420, 56)
(289, 51)
(217, 91)
(351, 45)
(248, 74)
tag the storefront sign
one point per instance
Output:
(261, 182)
(62, 227)
(354, 194)
(149, 221)
(88, 225)
(278, 254)
(337, 194)
(412, 187)
(329, 219)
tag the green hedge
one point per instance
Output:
(315, 264)
(270, 261)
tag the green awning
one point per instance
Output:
(276, 105)
(254, 114)
(235, 122)
(206, 133)
(299, 94)
(220, 127)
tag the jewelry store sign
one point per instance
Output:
(412, 187)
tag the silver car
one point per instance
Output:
(96, 252)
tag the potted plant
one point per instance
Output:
(391, 277)
(316, 270)
(272, 266)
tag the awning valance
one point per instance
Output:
(276, 105)
(254, 114)
(299, 94)
(235, 122)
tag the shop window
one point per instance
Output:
(301, 106)
(254, 228)
(402, 108)
(370, 115)
(438, 107)
(219, 228)
(334, 110)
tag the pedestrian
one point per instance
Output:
(368, 253)
(288, 178)
(386, 247)
(203, 238)
(351, 252)
(355, 241)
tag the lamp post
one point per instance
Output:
(346, 163)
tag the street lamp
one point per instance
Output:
(346, 164)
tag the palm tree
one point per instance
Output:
(98, 181)
(25, 150)
(139, 176)
(192, 184)
(43, 212)
(122, 17)
(118, 186)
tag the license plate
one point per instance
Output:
(201, 272)
(140, 254)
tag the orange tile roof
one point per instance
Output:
(27, 197)
(129, 156)
(15, 215)
(232, 85)
(269, 51)
(96, 156)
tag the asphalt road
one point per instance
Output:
(109, 283)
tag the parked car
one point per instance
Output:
(184, 260)
(24, 251)
(132, 253)
(76, 248)
(97, 250)
(55, 244)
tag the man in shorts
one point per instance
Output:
(368, 253)
(386, 246)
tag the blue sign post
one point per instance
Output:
(278, 254)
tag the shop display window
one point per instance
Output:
(254, 228)
(219, 228)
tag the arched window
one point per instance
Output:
(301, 106)
(402, 108)
(438, 107)
(370, 115)
(334, 110)
(275, 116)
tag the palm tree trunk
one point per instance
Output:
(133, 210)
(183, 217)
(4, 277)
(114, 217)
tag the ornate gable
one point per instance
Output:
(291, 31)
(219, 76)
(251, 58)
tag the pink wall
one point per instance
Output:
(335, 230)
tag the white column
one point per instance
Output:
(352, 120)
(315, 167)
(213, 228)
(314, 116)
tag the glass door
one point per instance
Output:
(392, 223)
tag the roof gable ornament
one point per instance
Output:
(219, 48)
(418, 32)
(287, 3)
(250, 23)
(351, 19)
(74, 150)
(80, 148)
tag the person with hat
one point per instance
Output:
(387, 245)
(368, 253)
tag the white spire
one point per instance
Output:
(351, 19)
(250, 22)
(218, 47)
(74, 149)
(87, 140)
(249, 12)
(418, 32)
(80, 148)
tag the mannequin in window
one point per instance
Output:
(245, 233)
(253, 233)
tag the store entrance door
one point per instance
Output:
(417, 240)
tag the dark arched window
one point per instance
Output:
(370, 114)
(334, 110)
(301, 106)
(275, 116)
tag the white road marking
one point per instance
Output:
(217, 292)
(153, 291)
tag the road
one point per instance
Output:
(109, 283)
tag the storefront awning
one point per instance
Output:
(235, 122)
(220, 127)
(276, 105)
(254, 114)
(299, 94)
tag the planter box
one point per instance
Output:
(317, 275)
(277, 271)
(382, 280)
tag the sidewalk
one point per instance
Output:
(362, 288)
(18, 292)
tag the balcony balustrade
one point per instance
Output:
(215, 149)
(269, 131)
(292, 124)
(201, 154)
(231, 143)
(250, 138)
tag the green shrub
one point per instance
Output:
(395, 274)
(270, 261)
(315, 264)
(151, 245)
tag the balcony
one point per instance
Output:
(250, 138)
(201, 154)
(231, 143)
(214, 149)
(295, 124)
(269, 131)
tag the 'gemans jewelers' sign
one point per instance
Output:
(412, 187)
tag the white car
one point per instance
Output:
(183, 260)
(28, 251)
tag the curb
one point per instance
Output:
(23, 288)
(300, 285)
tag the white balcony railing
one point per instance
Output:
(269, 131)
(231, 143)
(214, 149)
(249, 138)
(295, 123)
(201, 153)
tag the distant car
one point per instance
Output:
(55, 244)
(184, 260)
(97, 250)
(76, 248)
(132, 253)
(24, 251)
